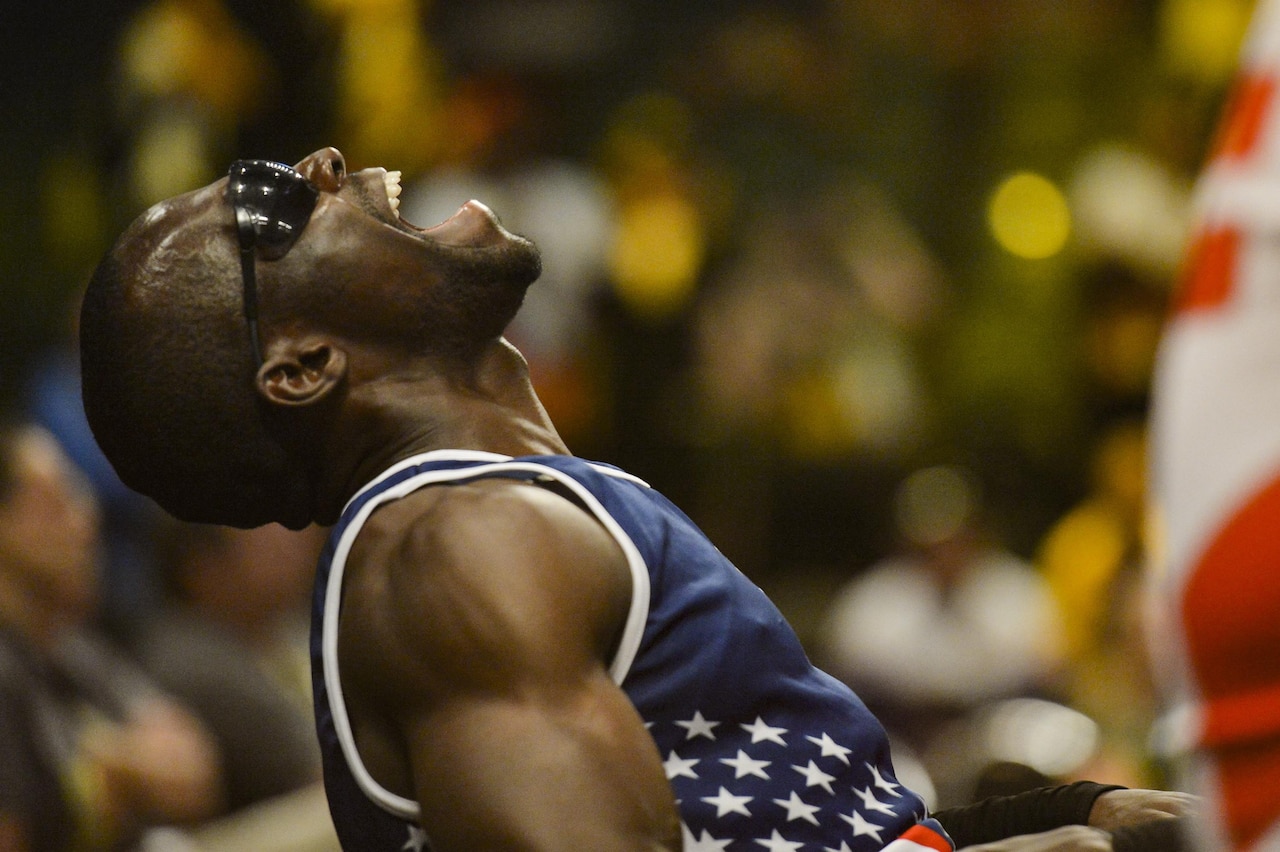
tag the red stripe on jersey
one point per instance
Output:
(919, 837)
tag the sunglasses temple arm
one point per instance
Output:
(247, 272)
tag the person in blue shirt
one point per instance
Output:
(513, 648)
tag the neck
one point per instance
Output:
(416, 408)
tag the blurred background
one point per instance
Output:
(852, 281)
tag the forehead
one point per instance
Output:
(192, 211)
(196, 227)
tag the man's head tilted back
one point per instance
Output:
(221, 414)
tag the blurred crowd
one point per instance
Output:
(873, 289)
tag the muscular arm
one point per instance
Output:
(477, 627)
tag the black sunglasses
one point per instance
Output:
(273, 203)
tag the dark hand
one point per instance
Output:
(1119, 808)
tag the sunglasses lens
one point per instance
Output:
(278, 200)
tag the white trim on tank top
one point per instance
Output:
(618, 668)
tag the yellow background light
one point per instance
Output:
(1029, 217)
(656, 254)
(1201, 38)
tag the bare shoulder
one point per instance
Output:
(479, 586)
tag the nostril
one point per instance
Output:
(338, 167)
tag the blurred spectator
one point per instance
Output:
(852, 275)
(91, 752)
(796, 431)
(1092, 559)
(950, 623)
(128, 590)
(232, 643)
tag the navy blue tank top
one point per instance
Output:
(761, 748)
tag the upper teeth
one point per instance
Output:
(392, 181)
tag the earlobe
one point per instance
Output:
(301, 372)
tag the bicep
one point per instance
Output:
(497, 624)
(569, 768)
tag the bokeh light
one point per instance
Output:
(1029, 216)
(1200, 38)
(657, 254)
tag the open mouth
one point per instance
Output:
(473, 223)
(391, 180)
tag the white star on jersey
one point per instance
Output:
(727, 803)
(703, 843)
(731, 781)
(815, 777)
(776, 843)
(744, 765)
(797, 809)
(890, 788)
(861, 826)
(830, 748)
(417, 840)
(871, 803)
(760, 731)
(677, 767)
(698, 727)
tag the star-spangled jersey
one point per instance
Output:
(762, 749)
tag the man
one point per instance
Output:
(513, 648)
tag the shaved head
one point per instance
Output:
(168, 379)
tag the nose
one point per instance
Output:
(325, 168)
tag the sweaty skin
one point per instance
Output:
(476, 627)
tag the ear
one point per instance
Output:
(300, 372)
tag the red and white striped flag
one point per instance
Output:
(1216, 470)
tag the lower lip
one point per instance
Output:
(473, 224)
